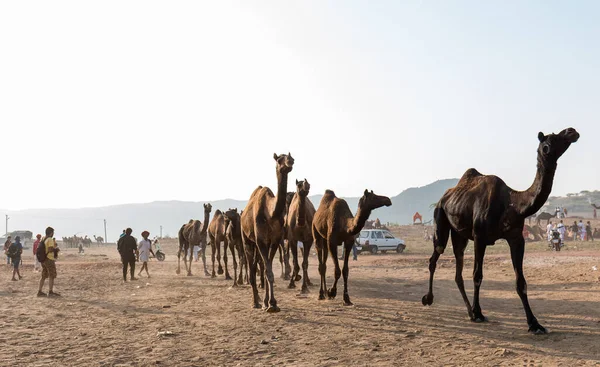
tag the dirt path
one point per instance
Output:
(101, 322)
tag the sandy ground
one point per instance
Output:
(101, 322)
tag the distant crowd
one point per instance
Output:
(46, 251)
(581, 231)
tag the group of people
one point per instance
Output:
(582, 231)
(131, 252)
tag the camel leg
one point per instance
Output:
(203, 254)
(189, 268)
(225, 246)
(286, 260)
(179, 259)
(347, 250)
(517, 251)
(332, 243)
(213, 252)
(235, 265)
(268, 254)
(305, 253)
(322, 255)
(280, 248)
(458, 245)
(440, 240)
(261, 268)
(293, 245)
(218, 246)
(242, 258)
(250, 251)
(480, 246)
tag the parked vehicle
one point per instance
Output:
(375, 240)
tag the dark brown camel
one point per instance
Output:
(334, 225)
(544, 216)
(233, 233)
(284, 248)
(262, 229)
(484, 209)
(216, 235)
(299, 228)
(193, 234)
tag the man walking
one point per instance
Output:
(49, 264)
(588, 230)
(36, 266)
(128, 250)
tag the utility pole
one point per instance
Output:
(105, 237)
(160, 232)
(6, 225)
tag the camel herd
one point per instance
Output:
(481, 208)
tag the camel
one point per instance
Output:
(334, 225)
(484, 209)
(193, 234)
(99, 240)
(233, 233)
(299, 228)
(262, 229)
(537, 233)
(544, 216)
(216, 235)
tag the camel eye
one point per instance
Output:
(546, 149)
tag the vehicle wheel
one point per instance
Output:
(373, 250)
(160, 256)
(400, 249)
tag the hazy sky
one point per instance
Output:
(112, 102)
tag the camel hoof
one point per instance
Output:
(321, 297)
(427, 300)
(348, 303)
(304, 290)
(273, 309)
(235, 285)
(479, 319)
(228, 277)
(206, 273)
(309, 283)
(178, 271)
(189, 274)
(220, 271)
(332, 293)
(538, 329)
(298, 278)
(213, 275)
(291, 285)
(257, 305)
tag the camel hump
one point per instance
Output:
(470, 173)
(329, 192)
(218, 212)
(197, 225)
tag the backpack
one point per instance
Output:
(40, 253)
(12, 251)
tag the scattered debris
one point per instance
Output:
(166, 306)
(594, 268)
(263, 341)
(165, 333)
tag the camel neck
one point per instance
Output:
(528, 202)
(205, 224)
(358, 222)
(302, 210)
(282, 179)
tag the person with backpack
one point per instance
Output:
(36, 266)
(127, 248)
(14, 252)
(47, 252)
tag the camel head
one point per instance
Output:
(207, 208)
(231, 214)
(370, 201)
(553, 146)
(285, 162)
(302, 187)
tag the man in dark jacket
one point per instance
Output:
(128, 251)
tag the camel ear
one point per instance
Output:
(366, 192)
(541, 137)
(371, 191)
(305, 180)
(275, 156)
(296, 181)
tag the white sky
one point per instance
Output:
(113, 102)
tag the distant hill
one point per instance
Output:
(172, 214)
(578, 204)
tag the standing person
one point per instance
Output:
(49, 263)
(588, 230)
(14, 252)
(581, 229)
(574, 230)
(144, 250)
(122, 234)
(128, 250)
(36, 244)
(561, 229)
(549, 230)
(196, 250)
(6, 246)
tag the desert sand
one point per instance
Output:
(175, 320)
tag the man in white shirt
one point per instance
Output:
(144, 250)
(549, 230)
(561, 229)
